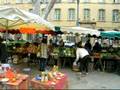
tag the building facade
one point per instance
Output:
(96, 14)
(23, 4)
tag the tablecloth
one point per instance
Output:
(21, 83)
(58, 84)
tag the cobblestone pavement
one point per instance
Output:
(94, 80)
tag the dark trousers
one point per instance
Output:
(84, 64)
(42, 64)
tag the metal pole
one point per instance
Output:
(49, 8)
(77, 23)
(36, 6)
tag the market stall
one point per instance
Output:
(110, 34)
(12, 19)
(110, 53)
(10, 79)
(50, 80)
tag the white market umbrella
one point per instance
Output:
(81, 30)
(11, 18)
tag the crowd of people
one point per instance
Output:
(83, 54)
(40, 51)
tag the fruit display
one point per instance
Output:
(115, 53)
(66, 52)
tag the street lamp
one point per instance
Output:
(77, 23)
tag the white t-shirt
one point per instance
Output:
(81, 53)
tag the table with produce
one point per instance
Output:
(63, 55)
(11, 79)
(50, 80)
(111, 60)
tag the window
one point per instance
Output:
(71, 14)
(27, 1)
(57, 14)
(31, 10)
(6, 1)
(101, 15)
(101, 1)
(19, 1)
(116, 1)
(42, 12)
(115, 17)
(44, 1)
(86, 1)
(58, 1)
(71, 1)
(87, 14)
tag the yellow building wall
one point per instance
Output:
(24, 6)
(94, 6)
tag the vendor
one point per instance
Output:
(88, 46)
(97, 50)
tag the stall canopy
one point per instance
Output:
(110, 34)
(81, 30)
(15, 18)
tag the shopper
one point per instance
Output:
(82, 56)
(3, 52)
(44, 54)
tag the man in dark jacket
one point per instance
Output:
(97, 49)
(3, 52)
(88, 46)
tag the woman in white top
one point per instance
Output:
(82, 56)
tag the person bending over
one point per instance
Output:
(82, 56)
